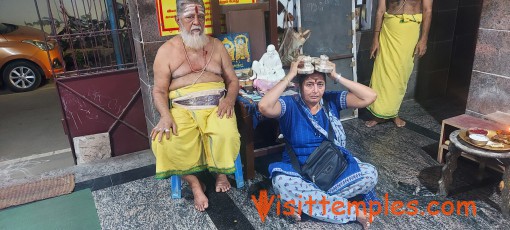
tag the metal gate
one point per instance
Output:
(99, 89)
(105, 103)
(93, 36)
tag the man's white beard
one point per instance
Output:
(194, 41)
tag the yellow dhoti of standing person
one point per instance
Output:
(198, 145)
(394, 62)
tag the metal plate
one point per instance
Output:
(463, 135)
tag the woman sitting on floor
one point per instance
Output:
(305, 125)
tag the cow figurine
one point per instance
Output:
(292, 43)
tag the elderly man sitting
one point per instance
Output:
(197, 129)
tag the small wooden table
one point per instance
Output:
(463, 121)
(246, 112)
(456, 147)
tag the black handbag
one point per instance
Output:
(325, 164)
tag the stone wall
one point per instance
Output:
(489, 90)
(463, 53)
(147, 42)
(434, 67)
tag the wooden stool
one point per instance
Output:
(458, 146)
(175, 185)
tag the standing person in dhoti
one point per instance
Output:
(396, 44)
(195, 88)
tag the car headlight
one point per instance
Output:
(40, 44)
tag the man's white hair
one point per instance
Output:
(182, 3)
(193, 41)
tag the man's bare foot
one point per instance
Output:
(363, 220)
(374, 122)
(399, 122)
(371, 123)
(198, 188)
(222, 184)
(201, 201)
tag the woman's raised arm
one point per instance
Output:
(269, 105)
(359, 96)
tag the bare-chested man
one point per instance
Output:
(396, 43)
(195, 72)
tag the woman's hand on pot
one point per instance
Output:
(334, 75)
(294, 67)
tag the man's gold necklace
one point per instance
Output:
(189, 62)
(206, 64)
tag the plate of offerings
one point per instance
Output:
(494, 140)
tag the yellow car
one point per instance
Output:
(26, 59)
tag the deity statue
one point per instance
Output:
(268, 70)
(256, 68)
(271, 65)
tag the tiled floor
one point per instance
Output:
(127, 197)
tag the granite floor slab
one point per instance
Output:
(128, 197)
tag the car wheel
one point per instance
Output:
(21, 76)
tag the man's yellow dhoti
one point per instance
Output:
(394, 62)
(204, 140)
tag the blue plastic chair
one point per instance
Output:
(176, 180)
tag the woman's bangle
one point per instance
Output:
(337, 77)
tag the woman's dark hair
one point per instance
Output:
(300, 78)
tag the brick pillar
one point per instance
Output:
(146, 41)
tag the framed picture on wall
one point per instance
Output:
(238, 48)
